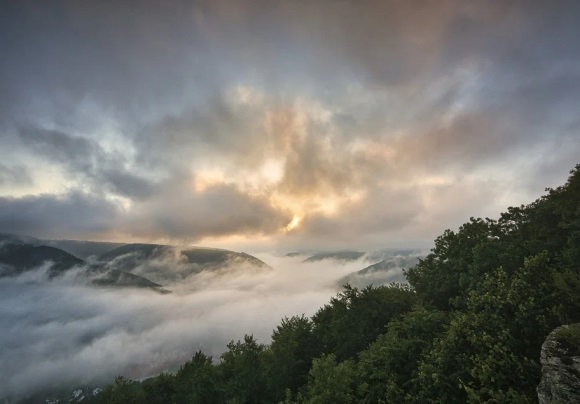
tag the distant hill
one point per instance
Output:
(130, 255)
(17, 258)
(372, 257)
(163, 263)
(78, 248)
(114, 264)
(389, 264)
(83, 249)
(337, 255)
(294, 254)
(120, 279)
(382, 273)
(384, 254)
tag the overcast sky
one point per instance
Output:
(282, 124)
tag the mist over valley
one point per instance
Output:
(141, 309)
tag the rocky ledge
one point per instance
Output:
(560, 359)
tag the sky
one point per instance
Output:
(282, 125)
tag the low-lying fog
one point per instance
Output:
(60, 332)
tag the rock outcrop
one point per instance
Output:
(560, 359)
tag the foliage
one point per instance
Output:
(330, 382)
(123, 391)
(389, 366)
(445, 273)
(355, 318)
(197, 381)
(569, 337)
(290, 356)
(242, 371)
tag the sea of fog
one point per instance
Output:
(62, 332)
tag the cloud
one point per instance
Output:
(290, 110)
(68, 215)
(85, 158)
(14, 174)
(379, 211)
(218, 210)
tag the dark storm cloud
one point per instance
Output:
(79, 153)
(112, 48)
(122, 55)
(66, 215)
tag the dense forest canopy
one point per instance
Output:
(468, 327)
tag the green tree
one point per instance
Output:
(290, 356)
(442, 279)
(160, 389)
(355, 318)
(197, 381)
(490, 352)
(242, 371)
(330, 382)
(122, 391)
(567, 295)
(388, 367)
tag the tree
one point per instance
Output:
(355, 318)
(123, 391)
(242, 371)
(290, 355)
(387, 369)
(197, 381)
(443, 278)
(490, 352)
(330, 382)
(160, 389)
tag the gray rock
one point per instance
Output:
(560, 359)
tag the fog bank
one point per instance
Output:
(64, 332)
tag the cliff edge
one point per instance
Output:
(560, 359)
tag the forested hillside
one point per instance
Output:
(467, 328)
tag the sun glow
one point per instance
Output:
(294, 223)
